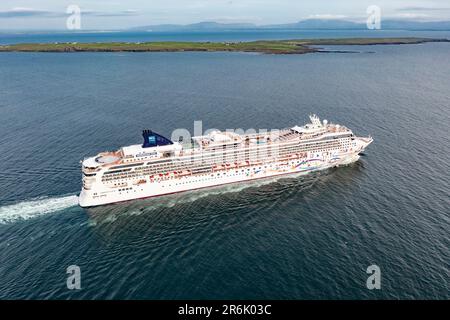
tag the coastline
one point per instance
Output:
(294, 46)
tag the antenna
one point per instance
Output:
(315, 120)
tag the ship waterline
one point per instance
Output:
(160, 166)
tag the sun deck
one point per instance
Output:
(214, 141)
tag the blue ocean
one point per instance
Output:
(199, 36)
(309, 237)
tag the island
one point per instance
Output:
(260, 46)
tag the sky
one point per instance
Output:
(116, 14)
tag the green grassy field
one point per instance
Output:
(273, 46)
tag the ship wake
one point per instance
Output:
(33, 208)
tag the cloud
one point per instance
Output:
(409, 15)
(20, 12)
(416, 9)
(326, 16)
(421, 13)
(124, 13)
(235, 19)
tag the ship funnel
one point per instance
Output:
(153, 139)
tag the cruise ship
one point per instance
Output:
(160, 166)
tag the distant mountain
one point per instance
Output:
(216, 25)
(309, 24)
(318, 24)
(200, 26)
(414, 25)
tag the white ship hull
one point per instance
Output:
(102, 196)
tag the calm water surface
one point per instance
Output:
(295, 238)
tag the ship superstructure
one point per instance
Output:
(160, 166)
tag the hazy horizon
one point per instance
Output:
(28, 15)
(359, 25)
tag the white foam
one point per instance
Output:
(36, 207)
